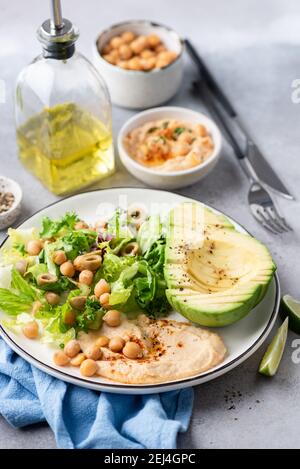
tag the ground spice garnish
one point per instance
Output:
(6, 201)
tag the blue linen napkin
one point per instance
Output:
(81, 418)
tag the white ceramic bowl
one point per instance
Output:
(139, 89)
(176, 179)
(9, 217)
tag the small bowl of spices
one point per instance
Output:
(10, 201)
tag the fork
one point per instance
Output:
(261, 203)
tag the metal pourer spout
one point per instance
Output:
(57, 34)
(56, 19)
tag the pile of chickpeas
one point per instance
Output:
(132, 52)
(87, 361)
(85, 265)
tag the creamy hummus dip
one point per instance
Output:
(170, 350)
(169, 145)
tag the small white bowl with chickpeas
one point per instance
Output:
(141, 62)
(169, 147)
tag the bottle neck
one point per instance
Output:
(58, 50)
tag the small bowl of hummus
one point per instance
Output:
(169, 147)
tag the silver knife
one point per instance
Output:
(260, 165)
(264, 171)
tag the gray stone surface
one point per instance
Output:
(253, 49)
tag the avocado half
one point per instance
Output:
(217, 281)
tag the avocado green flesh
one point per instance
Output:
(220, 281)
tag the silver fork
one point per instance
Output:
(261, 204)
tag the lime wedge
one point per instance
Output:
(291, 308)
(273, 355)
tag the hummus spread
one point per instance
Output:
(171, 350)
(169, 145)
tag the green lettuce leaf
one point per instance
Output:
(122, 288)
(20, 284)
(54, 228)
(75, 243)
(149, 232)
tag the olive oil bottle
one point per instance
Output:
(63, 113)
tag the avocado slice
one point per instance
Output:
(219, 282)
(216, 221)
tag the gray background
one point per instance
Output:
(253, 47)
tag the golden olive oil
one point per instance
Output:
(66, 147)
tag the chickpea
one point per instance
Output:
(168, 55)
(161, 63)
(109, 58)
(59, 257)
(104, 299)
(116, 42)
(201, 130)
(78, 359)
(102, 341)
(123, 64)
(21, 266)
(88, 367)
(86, 277)
(112, 318)
(153, 40)
(116, 344)
(69, 318)
(132, 350)
(72, 348)
(147, 53)
(52, 298)
(94, 352)
(67, 269)
(60, 358)
(31, 330)
(34, 247)
(139, 44)
(160, 48)
(125, 52)
(134, 64)
(101, 287)
(36, 306)
(148, 64)
(127, 37)
(81, 225)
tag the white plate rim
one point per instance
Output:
(148, 388)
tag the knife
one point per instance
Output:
(260, 165)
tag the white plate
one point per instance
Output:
(242, 338)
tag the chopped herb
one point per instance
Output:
(165, 124)
(62, 346)
(162, 138)
(179, 131)
(151, 130)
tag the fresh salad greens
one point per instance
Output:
(33, 287)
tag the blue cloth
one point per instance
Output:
(81, 418)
